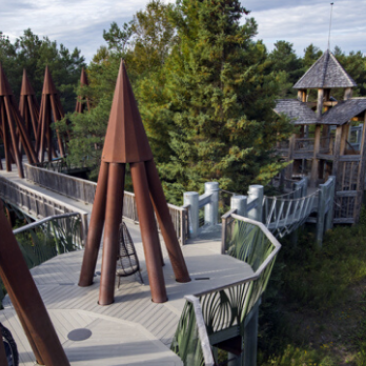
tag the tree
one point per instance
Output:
(355, 65)
(33, 54)
(311, 54)
(214, 97)
(287, 66)
(118, 39)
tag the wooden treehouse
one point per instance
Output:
(330, 139)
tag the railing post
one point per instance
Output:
(330, 213)
(251, 339)
(239, 203)
(212, 209)
(320, 215)
(191, 199)
(256, 192)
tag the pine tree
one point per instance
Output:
(215, 96)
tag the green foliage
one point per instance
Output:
(213, 102)
(294, 356)
(33, 54)
(316, 287)
(287, 66)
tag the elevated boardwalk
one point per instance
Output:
(133, 330)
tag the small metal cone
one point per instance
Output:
(5, 89)
(26, 86)
(83, 82)
(125, 140)
(48, 85)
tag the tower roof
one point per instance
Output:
(298, 112)
(125, 140)
(326, 73)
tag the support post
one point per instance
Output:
(149, 233)
(337, 150)
(251, 339)
(113, 218)
(291, 151)
(320, 215)
(16, 276)
(239, 203)
(95, 229)
(315, 162)
(330, 213)
(166, 224)
(256, 192)
(191, 199)
(212, 209)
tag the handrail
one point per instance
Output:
(195, 299)
(39, 222)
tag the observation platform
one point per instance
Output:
(133, 330)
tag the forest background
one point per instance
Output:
(205, 88)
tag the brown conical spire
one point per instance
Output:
(12, 128)
(4, 84)
(51, 111)
(48, 85)
(125, 140)
(80, 106)
(83, 78)
(28, 106)
(26, 85)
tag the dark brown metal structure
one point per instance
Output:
(82, 103)
(51, 111)
(13, 129)
(29, 107)
(27, 301)
(126, 142)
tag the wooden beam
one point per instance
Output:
(319, 106)
(315, 162)
(337, 149)
(361, 175)
(348, 93)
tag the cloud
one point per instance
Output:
(81, 23)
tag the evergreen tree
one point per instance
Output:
(311, 54)
(33, 54)
(215, 96)
(287, 66)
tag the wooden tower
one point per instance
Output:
(323, 146)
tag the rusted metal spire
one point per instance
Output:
(27, 301)
(82, 103)
(28, 106)
(13, 128)
(51, 111)
(126, 142)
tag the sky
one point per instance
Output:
(80, 23)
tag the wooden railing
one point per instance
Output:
(84, 190)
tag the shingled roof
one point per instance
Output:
(297, 111)
(344, 111)
(326, 73)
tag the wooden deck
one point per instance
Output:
(133, 330)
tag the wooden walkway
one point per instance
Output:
(133, 330)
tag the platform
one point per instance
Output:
(133, 330)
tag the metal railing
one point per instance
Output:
(42, 240)
(219, 314)
(36, 205)
(84, 190)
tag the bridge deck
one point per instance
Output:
(133, 330)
